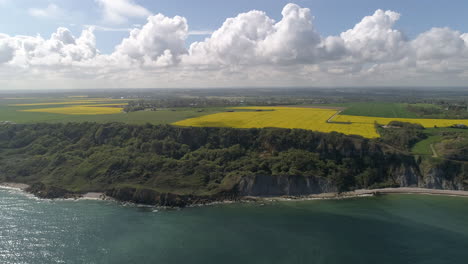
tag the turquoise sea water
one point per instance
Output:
(386, 229)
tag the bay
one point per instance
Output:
(383, 229)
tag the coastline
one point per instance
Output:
(86, 196)
(101, 196)
(368, 193)
(413, 190)
(14, 186)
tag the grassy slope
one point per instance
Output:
(435, 135)
(424, 147)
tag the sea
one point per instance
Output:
(383, 229)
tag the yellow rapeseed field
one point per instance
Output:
(87, 101)
(384, 121)
(78, 110)
(283, 117)
(306, 118)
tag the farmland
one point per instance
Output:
(73, 106)
(80, 109)
(377, 109)
(428, 123)
(283, 117)
(356, 118)
(306, 118)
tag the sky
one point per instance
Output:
(53, 44)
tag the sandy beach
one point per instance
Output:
(94, 196)
(11, 185)
(364, 193)
(86, 196)
(325, 196)
(411, 190)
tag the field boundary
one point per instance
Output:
(330, 120)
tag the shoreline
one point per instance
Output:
(414, 190)
(14, 186)
(101, 196)
(367, 193)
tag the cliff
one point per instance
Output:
(173, 166)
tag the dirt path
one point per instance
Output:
(333, 116)
(434, 152)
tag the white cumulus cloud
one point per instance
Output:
(254, 38)
(61, 49)
(250, 49)
(118, 11)
(7, 52)
(375, 39)
(160, 41)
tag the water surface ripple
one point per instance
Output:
(386, 229)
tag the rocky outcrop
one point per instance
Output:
(49, 192)
(152, 197)
(405, 175)
(447, 175)
(435, 179)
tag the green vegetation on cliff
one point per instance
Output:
(82, 157)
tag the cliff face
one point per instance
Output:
(446, 175)
(268, 185)
(152, 197)
(405, 175)
(436, 179)
(162, 164)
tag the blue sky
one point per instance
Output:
(331, 16)
(215, 43)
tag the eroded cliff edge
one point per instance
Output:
(173, 166)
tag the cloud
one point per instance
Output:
(160, 42)
(62, 49)
(51, 11)
(444, 44)
(293, 39)
(7, 52)
(234, 43)
(250, 49)
(375, 39)
(253, 38)
(118, 11)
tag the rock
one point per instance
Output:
(49, 192)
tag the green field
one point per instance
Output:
(393, 110)
(13, 110)
(12, 113)
(377, 109)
